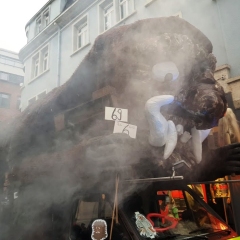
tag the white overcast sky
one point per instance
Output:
(14, 14)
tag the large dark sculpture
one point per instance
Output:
(161, 70)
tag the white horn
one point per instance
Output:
(171, 143)
(157, 123)
(198, 136)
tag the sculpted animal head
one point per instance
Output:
(165, 64)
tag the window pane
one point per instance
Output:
(108, 17)
(44, 59)
(15, 78)
(46, 18)
(44, 64)
(18, 102)
(36, 69)
(79, 41)
(123, 8)
(38, 25)
(4, 100)
(4, 76)
(82, 36)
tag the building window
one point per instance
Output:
(10, 62)
(113, 11)
(108, 16)
(18, 103)
(35, 61)
(4, 100)
(126, 7)
(40, 62)
(42, 20)
(46, 18)
(38, 24)
(39, 96)
(13, 78)
(80, 34)
(44, 55)
(4, 76)
(123, 8)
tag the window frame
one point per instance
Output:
(36, 97)
(39, 61)
(10, 62)
(9, 100)
(18, 104)
(116, 12)
(121, 4)
(105, 14)
(82, 35)
(2, 74)
(38, 24)
(45, 59)
(46, 17)
(82, 23)
(41, 20)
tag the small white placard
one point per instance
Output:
(116, 114)
(15, 195)
(121, 127)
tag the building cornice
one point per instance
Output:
(222, 67)
(234, 79)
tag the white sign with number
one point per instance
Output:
(15, 195)
(121, 127)
(116, 114)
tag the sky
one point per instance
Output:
(14, 15)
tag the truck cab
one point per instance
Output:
(146, 209)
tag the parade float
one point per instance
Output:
(138, 109)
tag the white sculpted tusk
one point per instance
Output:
(171, 143)
(198, 136)
(197, 144)
(157, 123)
(204, 134)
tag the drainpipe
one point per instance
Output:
(58, 55)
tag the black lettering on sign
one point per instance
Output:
(125, 130)
(117, 115)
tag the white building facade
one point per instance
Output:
(62, 32)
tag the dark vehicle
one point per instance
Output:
(184, 217)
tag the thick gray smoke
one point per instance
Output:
(50, 172)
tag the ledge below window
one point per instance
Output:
(78, 50)
(148, 2)
(122, 20)
(32, 80)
